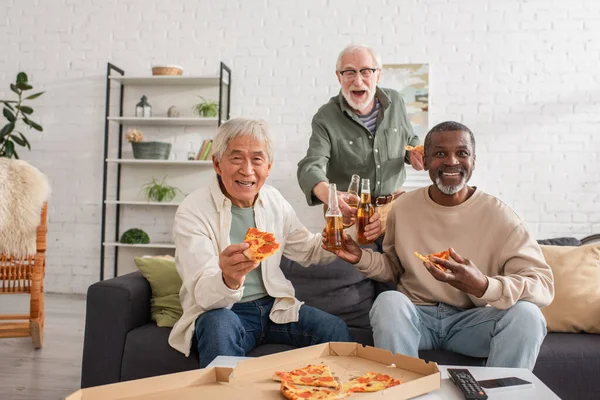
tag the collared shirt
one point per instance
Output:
(341, 145)
(201, 232)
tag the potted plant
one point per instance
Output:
(159, 191)
(147, 150)
(207, 108)
(15, 111)
(135, 236)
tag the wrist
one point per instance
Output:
(230, 285)
(321, 191)
(358, 256)
(484, 287)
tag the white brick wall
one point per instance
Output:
(524, 75)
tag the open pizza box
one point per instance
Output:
(252, 378)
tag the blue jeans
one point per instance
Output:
(508, 338)
(224, 332)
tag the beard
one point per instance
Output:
(347, 93)
(451, 189)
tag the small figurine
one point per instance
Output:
(173, 112)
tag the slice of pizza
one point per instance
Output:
(311, 375)
(296, 392)
(262, 245)
(445, 255)
(370, 382)
(418, 149)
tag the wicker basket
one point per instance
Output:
(170, 70)
(151, 150)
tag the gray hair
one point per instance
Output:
(257, 129)
(355, 47)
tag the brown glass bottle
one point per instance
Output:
(365, 211)
(334, 226)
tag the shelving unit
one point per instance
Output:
(118, 167)
(165, 121)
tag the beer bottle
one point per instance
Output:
(365, 211)
(351, 198)
(333, 218)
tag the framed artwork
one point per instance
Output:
(412, 81)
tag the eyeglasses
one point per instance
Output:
(351, 73)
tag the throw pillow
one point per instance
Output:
(165, 307)
(576, 305)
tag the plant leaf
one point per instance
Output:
(25, 140)
(25, 109)
(18, 140)
(24, 86)
(34, 96)
(7, 129)
(9, 149)
(8, 105)
(14, 88)
(32, 124)
(22, 77)
(9, 115)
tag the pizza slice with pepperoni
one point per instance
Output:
(262, 245)
(370, 382)
(418, 149)
(311, 375)
(444, 255)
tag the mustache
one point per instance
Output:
(366, 89)
(460, 170)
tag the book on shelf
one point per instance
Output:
(205, 150)
(202, 148)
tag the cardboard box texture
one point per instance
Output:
(252, 379)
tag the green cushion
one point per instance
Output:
(165, 282)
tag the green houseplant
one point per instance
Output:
(160, 191)
(207, 108)
(15, 111)
(135, 236)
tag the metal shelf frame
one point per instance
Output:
(116, 76)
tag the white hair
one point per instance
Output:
(257, 129)
(355, 47)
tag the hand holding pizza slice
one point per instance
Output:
(262, 245)
(444, 255)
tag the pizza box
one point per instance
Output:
(252, 378)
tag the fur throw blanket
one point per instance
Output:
(23, 191)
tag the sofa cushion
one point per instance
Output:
(147, 353)
(569, 364)
(337, 288)
(576, 305)
(165, 307)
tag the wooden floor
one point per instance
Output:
(54, 371)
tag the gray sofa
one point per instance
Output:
(122, 343)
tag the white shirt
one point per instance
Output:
(201, 233)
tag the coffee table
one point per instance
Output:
(449, 391)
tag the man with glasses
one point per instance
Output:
(362, 131)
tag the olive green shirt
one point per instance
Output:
(341, 145)
(241, 220)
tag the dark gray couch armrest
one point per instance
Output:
(114, 307)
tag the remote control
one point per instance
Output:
(467, 384)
